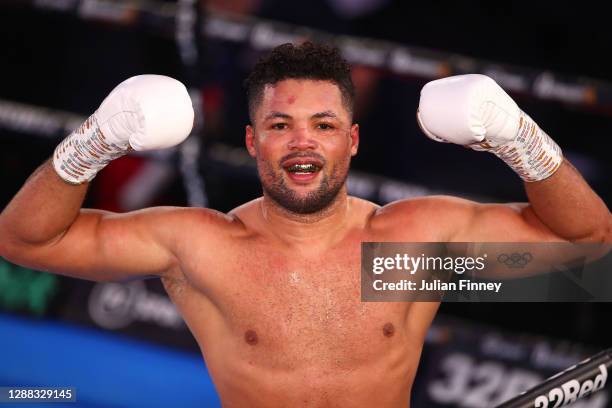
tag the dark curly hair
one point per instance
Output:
(305, 61)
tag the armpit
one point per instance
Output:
(174, 285)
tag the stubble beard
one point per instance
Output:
(312, 202)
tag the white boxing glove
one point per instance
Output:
(472, 110)
(144, 112)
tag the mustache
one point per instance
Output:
(302, 155)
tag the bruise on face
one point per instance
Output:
(303, 92)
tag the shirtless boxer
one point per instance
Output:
(271, 291)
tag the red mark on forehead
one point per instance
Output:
(291, 99)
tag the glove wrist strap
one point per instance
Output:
(79, 157)
(533, 155)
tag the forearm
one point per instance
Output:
(567, 205)
(473, 111)
(42, 210)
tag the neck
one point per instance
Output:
(322, 226)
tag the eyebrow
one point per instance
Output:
(275, 115)
(318, 115)
(325, 114)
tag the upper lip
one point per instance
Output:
(302, 160)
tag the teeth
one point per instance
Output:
(303, 168)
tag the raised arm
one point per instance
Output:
(472, 110)
(43, 226)
(561, 208)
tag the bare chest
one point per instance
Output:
(300, 305)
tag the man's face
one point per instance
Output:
(303, 140)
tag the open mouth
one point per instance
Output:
(302, 169)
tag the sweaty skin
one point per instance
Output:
(272, 296)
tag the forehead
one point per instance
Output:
(301, 96)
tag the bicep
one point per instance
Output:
(104, 246)
(517, 228)
(514, 222)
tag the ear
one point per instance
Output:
(354, 138)
(250, 140)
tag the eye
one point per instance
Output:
(325, 126)
(279, 126)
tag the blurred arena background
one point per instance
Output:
(124, 345)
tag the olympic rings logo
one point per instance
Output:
(515, 260)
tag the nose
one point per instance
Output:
(301, 139)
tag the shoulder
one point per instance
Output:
(431, 217)
(429, 203)
(185, 221)
(363, 209)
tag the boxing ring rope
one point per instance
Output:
(398, 59)
(55, 124)
(184, 21)
(568, 386)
